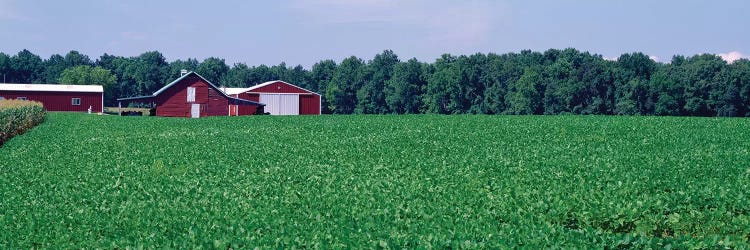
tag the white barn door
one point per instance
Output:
(289, 104)
(272, 103)
(195, 110)
(277, 104)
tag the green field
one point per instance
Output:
(83, 181)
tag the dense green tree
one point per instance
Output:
(121, 68)
(213, 69)
(261, 74)
(666, 91)
(5, 66)
(53, 67)
(470, 95)
(577, 82)
(603, 87)
(342, 89)
(106, 61)
(740, 77)
(56, 64)
(238, 76)
(320, 76)
(552, 82)
(637, 65)
(176, 67)
(703, 74)
(117, 65)
(149, 72)
(280, 71)
(75, 58)
(561, 83)
(371, 96)
(502, 70)
(298, 76)
(728, 95)
(442, 81)
(526, 95)
(631, 82)
(403, 90)
(457, 85)
(26, 67)
(87, 75)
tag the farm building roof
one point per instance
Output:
(135, 98)
(234, 91)
(51, 87)
(232, 100)
(242, 90)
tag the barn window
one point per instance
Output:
(22, 98)
(191, 94)
(76, 101)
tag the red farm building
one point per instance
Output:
(280, 98)
(57, 97)
(191, 95)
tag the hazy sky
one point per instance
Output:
(307, 31)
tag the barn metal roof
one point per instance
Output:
(242, 90)
(235, 100)
(234, 91)
(136, 98)
(178, 80)
(51, 87)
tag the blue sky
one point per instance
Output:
(307, 31)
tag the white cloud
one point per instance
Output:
(462, 23)
(655, 58)
(732, 56)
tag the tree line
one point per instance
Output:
(551, 82)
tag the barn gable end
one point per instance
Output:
(284, 98)
(207, 100)
(279, 87)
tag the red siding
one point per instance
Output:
(252, 97)
(60, 101)
(242, 109)
(309, 104)
(217, 104)
(173, 101)
(248, 109)
(280, 87)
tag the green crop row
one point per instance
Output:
(17, 116)
(416, 181)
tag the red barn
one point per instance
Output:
(191, 95)
(280, 98)
(57, 97)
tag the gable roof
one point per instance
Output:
(51, 87)
(234, 91)
(269, 83)
(169, 85)
(162, 89)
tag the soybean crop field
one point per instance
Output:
(422, 181)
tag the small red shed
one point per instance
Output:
(57, 97)
(191, 95)
(281, 98)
